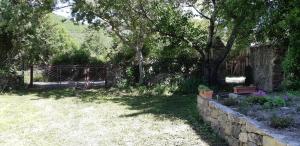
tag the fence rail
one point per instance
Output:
(72, 75)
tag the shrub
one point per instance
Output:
(188, 86)
(260, 93)
(202, 88)
(291, 65)
(257, 100)
(281, 122)
(278, 102)
(76, 57)
(274, 102)
(230, 102)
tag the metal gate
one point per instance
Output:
(68, 76)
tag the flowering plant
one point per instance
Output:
(260, 93)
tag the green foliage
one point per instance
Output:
(281, 122)
(76, 57)
(266, 101)
(274, 102)
(189, 85)
(47, 41)
(171, 85)
(99, 44)
(76, 30)
(203, 88)
(291, 64)
(257, 100)
(278, 102)
(6, 72)
(21, 28)
(34, 38)
(230, 102)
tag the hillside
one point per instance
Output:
(76, 31)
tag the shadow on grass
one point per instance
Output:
(172, 107)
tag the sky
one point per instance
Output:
(65, 12)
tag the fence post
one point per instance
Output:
(105, 76)
(31, 76)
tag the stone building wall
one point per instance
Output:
(266, 64)
(237, 129)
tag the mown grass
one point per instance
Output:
(101, 117)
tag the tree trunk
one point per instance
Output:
(31, 76)
(140, 60)
(214, 64)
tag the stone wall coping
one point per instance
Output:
(253, 125)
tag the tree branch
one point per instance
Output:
(230, 42)
(57, 8)
(200, 13)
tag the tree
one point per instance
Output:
(99, 43)
(227, 21)
(47, 40)
(291, 64)
(16, 26)
(31, 35)
(121, 17)
(237, 18)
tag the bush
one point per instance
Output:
(291, 65)
(266, 101)
(274, 102)
(4, 72)
(189, 85)
(281, 122)
(230, 102)
(257, 100)
(278, 102)
(76, 57)
(202, 88)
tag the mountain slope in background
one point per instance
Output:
(76, 31)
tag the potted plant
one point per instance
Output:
(205, 92)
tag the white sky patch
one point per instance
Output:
(65, 11)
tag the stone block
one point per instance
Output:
(236, 130)
(252, 144)
(255, 138)
(214, 114)
(253, 127)
(270, 141)
(243, 137)
(243, 128)
(232, 141)
(228, 129)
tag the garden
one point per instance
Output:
(275, 112)
(140, 72)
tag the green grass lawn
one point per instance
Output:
(98, 117)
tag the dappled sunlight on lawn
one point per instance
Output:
(98, 117)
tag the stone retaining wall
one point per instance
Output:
(237, 129)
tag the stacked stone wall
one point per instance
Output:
(237, 129)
